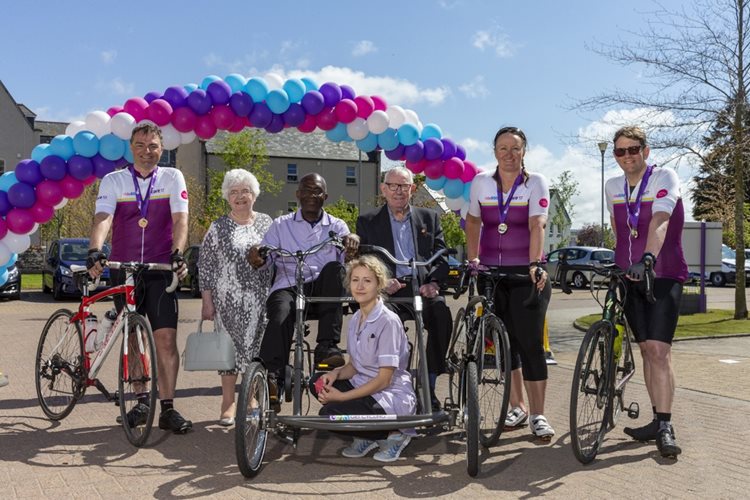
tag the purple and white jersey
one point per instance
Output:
(662, 194)
(381, 342)
(117, 197)
(292, 232)
(530, 199)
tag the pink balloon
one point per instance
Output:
(114, 110)
(308, 125)
(453, 168)
(379, 103)
(41, 212)
(19, 220)
(433, 169)
(136, 107)
(470, 171)
(3, 228)
(159, 112)
(327, 119)
(49, 192)
(184, 119)
(416, 167)
(365, 106)
(205, 128)
(223, 116)
(346, 111)
(89, 180)
(238, 124)
(71, 187)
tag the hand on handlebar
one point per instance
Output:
(538, 276)
(429, 290)
(351, 245)
(639, 270)
(256, 256)
(95, 262)
(473, 266)
(394, 286)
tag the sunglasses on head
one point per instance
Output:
(631, 150)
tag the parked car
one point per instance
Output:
(728, 273)
(191, 280)
(450, 285)
(12, 286)
(578, 255)
(57, 276)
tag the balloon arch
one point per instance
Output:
(90, 149)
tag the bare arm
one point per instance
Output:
(179, 231)
(536, 247)
(99, 229)
(657, 231)
(473, 228)
(381, 381)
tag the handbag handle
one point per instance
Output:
(218, 325)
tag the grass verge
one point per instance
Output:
(31, 281)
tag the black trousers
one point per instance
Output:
(280, 311)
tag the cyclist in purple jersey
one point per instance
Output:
(647, 215)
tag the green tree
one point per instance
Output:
(348, 212)
(567, 188)
(74, 219)
(452, 232)
(590, 235)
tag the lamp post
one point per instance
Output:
(602, 148)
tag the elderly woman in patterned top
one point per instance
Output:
(234, 293)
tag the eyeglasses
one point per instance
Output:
(393, 187)
(235, 192)
(631, 150)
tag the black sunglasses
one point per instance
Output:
(631, 150)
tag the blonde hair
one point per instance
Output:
(373, 264)
(631, 132)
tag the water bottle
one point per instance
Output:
(91, 332)
(105, 327)
(618, 340)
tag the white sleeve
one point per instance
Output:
(474, 194)
(538, 195)
(178, 197)
(611, 191)
(106, 200)
(666, 189)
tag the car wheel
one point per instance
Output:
(579, 280)
(195, 290)
(718, 279)
(57, 292)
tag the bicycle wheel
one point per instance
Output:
(250, 432)
(588, 395)
(472, 419)
(463, 324)
(60, 377)
(494, 380)
(137, 381)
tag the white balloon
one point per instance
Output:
(122, 125)
(170, 137)
(455, 203)
(411, 117)
(378, 122)
(464, 210)
(187, 137)
(357, 129)
(16, 243)
(98, 123)
(396, 116)
(5, 253)
(61, 204)
(74, 127)
(34, 228)
(274, 81)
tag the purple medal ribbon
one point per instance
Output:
(504, 206)
(634, 211)
(141, 200)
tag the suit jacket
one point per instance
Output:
(374, 228)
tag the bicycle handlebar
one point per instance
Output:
(333, 239)
(385, 253)
(606, 270)
(495, 274)
(133, 266)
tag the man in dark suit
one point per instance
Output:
(412, 233)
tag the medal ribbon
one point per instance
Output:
(139, 198)
(634, 211)
(504, 206)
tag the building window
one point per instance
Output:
(291, 206)
(2, 166)
(291, 173)
(45, 139)
(168, 158)
(351, 176)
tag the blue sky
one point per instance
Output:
(468, 66)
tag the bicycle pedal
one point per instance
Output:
(633, 410)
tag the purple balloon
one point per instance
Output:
(449, 149)
(21, 195)
(276, 125)
(176, 96)
(347, 92)
(5, 205)
(219, 91)
(28, 171)
(53, 168)
(122, 162)
(295, 115)
(313, 102)
(199, 101)
(261, 116)
(80, 167)
(241, 104)
(460, 152)
(102, 166)
(414, 152)
(396, 153)
(433, 148)
(331, 93)
(152, 96)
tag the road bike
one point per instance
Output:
(65, 368)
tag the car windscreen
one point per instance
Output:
(76, 251)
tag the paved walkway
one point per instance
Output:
(87, 456)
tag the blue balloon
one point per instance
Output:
(62, 146)
(112, 147)
(12, 260)
(453, 188)
(257, 88)
(128, 155)
(7, 180)
(40, 152)
(388, 140)
(278, 101)
(86, 144)
(3, 276)
(369, 143)
(431, 130)
(435, 184)
(408, 134)
(190, 87)
(337, 133)
(295, 89)
(309, 84)
(236, 82)
(467, 191)
(208, 80)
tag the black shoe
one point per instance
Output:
(666, 444)
(328, 356)
(646, 433)
(274, 400)
(435, 402)
(171, 420)
(138, 415)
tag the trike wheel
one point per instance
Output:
(59, 368)
(494, 381)
(472, 419)
(251, 431)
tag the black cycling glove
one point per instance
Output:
(95, 255)
(639, 270)
(177, 261)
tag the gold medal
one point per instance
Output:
(502, 228)
(143, 222)
(633, 232)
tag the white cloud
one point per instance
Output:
(475, 88)
(364, 47)
(116, 86)
(108, 56)
(495, 40)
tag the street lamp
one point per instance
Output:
(602, 148)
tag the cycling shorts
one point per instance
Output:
(656, 321)
(151, 297)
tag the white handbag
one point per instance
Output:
(209, 351)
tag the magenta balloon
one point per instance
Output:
(184, 119)
(379, 103)
(276, 125)
(241, 103)
(327, 119)
(261, 116)
(89, 180)
(159, 112)
(152, 96)
(71, 188)
(19, 220)
(313, 102)
(176, 96)
(205, 128)
(433, 169)
(3, 228)
(21, 195)
(114, 110)
(223, 116)
(136, 107)
(347, 92)
(308, 125)
(416, 167)
(470, 171)
(199, 101)
(460, 152)
(220, 92)
(53, 167)
(414, 152)
(365, 106)
(28, 171)
(240, 122)
(41, 212)
(331, 93)
(80, 167)
(102, 167)
(433, 148)
(295, 115)
(449, 149)
(453, 168)
(396, 154)
(49, 192)
(346, 111)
